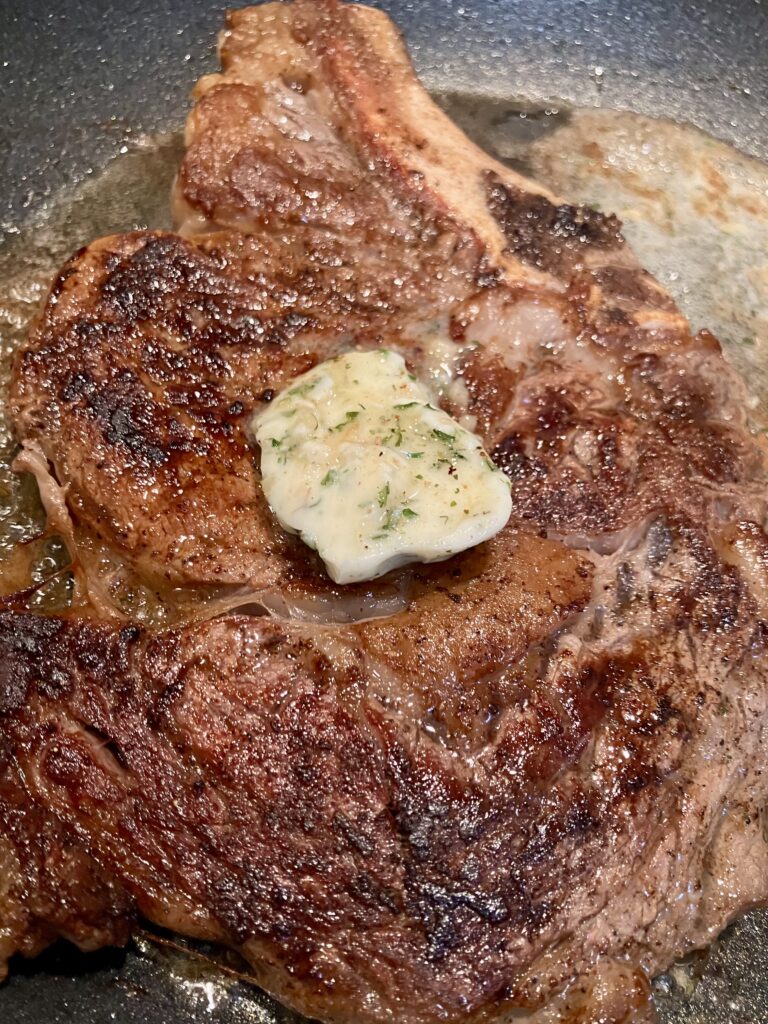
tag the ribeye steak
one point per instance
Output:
(521, 780)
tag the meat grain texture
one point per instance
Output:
(536, 781)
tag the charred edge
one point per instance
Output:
(141, 283)
(368, 890)
(25, 658)
(126, 420)
(548, 237)
(353, 835)
(441, 906)
(171, 282)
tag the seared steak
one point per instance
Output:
(539, 778)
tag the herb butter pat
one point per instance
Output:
(356, 460)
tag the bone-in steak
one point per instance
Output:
(522, 780)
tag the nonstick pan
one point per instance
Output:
(85, 82)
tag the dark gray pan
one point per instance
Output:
(79, 78)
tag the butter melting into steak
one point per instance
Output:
(518, 782)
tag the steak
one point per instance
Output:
(521, 781)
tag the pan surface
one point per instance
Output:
(91, 83)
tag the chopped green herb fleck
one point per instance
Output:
(453, 504)
(302, 389)
(395, 436)
(276, 443)
(352, 414)
(441, 435)
(383, 495)
(329, 478)
(408, 513)
(747, 340)
(414, 455)
(407, 405)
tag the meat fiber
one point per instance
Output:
(519, 782)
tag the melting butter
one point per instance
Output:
(358, 462)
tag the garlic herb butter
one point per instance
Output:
(358, 462)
